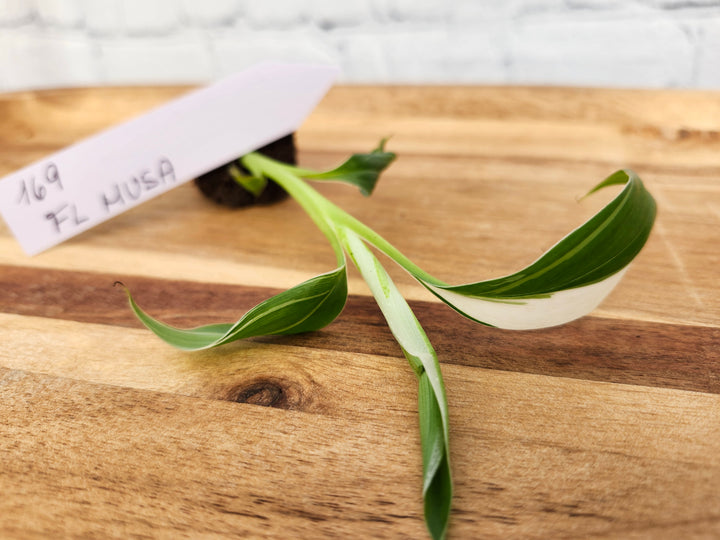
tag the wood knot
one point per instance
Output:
(280, 394)
(265, 394)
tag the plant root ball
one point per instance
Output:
(219, 186)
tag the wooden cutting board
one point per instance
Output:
(608, 427)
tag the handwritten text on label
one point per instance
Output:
(32, 190)
(106, 174)
(66, 214)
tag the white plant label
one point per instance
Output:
(99, 177)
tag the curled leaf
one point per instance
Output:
(437, 481)
(309, 306)
(432, 402)
(570, 279)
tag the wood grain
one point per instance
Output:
(136, 462)
(626, 351)
(606, 427)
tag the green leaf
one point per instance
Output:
(361, 170)
(599, 248)
(308, 306)
(254, 184)
(433, 409)
(569, 280)
(437, 485)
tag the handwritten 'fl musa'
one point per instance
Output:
(565, 283)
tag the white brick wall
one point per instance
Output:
(646, 43)
(707, 67)
(59, 13)
(592, 50)
(13, 12)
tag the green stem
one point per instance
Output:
(311, 201)
(432, 402)
(327, 215)
(347, 234)
(362, 230)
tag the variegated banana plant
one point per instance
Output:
(565, 283)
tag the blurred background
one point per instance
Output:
(614, 43)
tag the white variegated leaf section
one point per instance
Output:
(560, 308)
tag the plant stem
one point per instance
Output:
(327, 215)
(311, 201)
(432, 402)
(347, 234)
